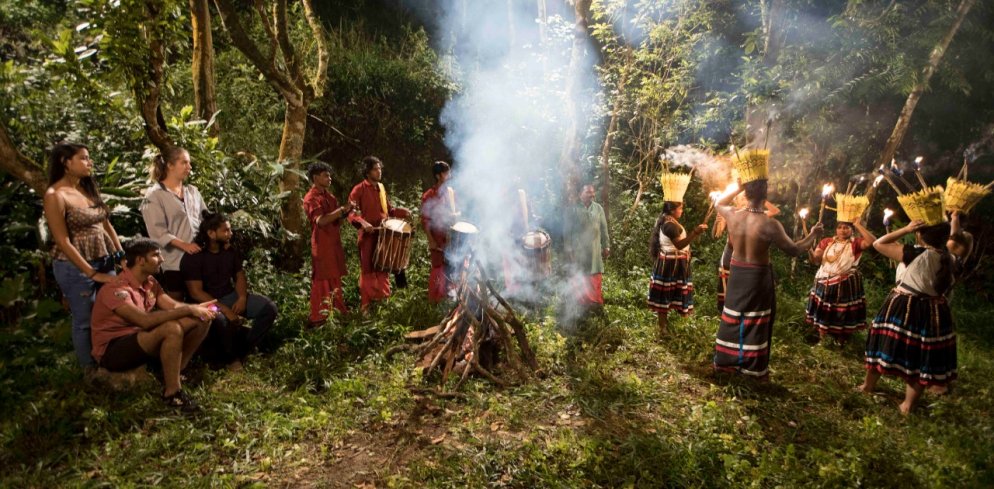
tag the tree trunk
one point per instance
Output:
(772, 19)
(543, 18)
(288, 78)
(904, 119)
(147, 87)
(19, 166)
(291, 149)
(571, 142)
(204, 93)
(612, 127)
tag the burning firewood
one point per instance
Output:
(476, 336)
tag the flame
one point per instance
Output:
(714, 196)
(877, 180)
(887, 214)
(803, 213)
(827, 190)
(919, 159)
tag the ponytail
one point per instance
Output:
(210, 221)
(161, 162)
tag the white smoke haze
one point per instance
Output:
(505, 128)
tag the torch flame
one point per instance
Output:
(887, 214)
(827, 189)
(877, 180)
(714, 196)
(803, 213)
(919, 159)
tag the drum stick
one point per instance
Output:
(523, 199)
(452, 199)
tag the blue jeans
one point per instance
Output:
(228, 343)
(80, 291)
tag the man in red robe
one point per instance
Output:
(370, 198)
(437, 211)
(327, 255)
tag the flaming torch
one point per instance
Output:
(716, 196)
(887, 215)
(918, 171)
(803, 214)
(712, 199)
(826, 190)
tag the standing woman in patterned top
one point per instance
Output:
(671, 288)
(85, 242)
(171, 211)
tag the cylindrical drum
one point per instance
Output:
(538, 252)
(393, 248)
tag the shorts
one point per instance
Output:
(124, 353)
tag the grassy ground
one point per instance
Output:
(613, 407)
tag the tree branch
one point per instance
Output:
(19, 166)
(283, 37)
(241, 40)
(321, 75)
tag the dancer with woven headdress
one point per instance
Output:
(913, 334)
(742, 343)
(837, 303)
(671, 287)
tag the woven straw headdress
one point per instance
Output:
(924, 205)
(962, 195)
(753, 164)
(850, 207)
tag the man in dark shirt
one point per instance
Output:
(216, 273)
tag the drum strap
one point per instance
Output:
(383, 198)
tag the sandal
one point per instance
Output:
(182, 401)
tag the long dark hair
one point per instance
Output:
(668, 209)
(210, 221)
(57, 157)
(936, 236)
(160, 164)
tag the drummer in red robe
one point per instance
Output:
(370, 198)
(437, 213)
(327, 256)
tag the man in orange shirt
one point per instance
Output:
(437, 212)
(134, 321)
(370, 198)
(327, 254)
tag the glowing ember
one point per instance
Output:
(803, 213)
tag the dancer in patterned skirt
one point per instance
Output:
(912, 336)
(837, 303)
(671, 287)
(743, 340)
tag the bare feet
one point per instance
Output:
(863, 388)
(906, 408)
(939, 390)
